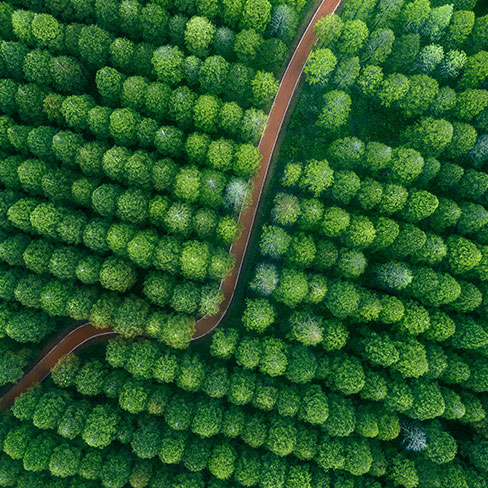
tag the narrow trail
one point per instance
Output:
(84, 334)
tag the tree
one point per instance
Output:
(156, 98)
(207, 419)
(38, 453)
(393, 89)
(328, 29)
(210, 300)
(89, 378)
(64, 460)
(181, 105)
(221, 263)
(248, 353)
(258, 315)
(317, 176)
(420, 205)
(45, 30)
(154, 23)
(222, 460)
(196, 455)
(273, 471)
(246, 159)
(475, 71)
(292, 287)
(358, 458)
(94, 44)
(168, 64)
(353, 37)
(286, 209)
(402, 471)
(117, 274)
(199, 34)
(67, 75)
(346, 185)
(335, 336)
(301, 252)
(224, 343)
(206, 113)
(256, 15)
(264, 87)
(176, 330)
(133, 396)
(100, 427)
(17, 439)
(116, 468)
(36, 69)
(463, 139)
(213, 74)
(342, 299)
(319, 66)
(335, 221)
(314, 407)
(158, 287)
(335, 112)
(281, 437)
(360, 232)
(462, 254)
(379, 47)
(421, 93)
(123, 126)
(169, 141)
(230, 117)
(477, 454)
(132, 92)
(302, 364)
(223, 42)
(272, 55)
(442, 447)
(248, 467)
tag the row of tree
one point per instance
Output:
(126, 127)
(134, 206)
(143, 248)
(208, 187)
(155, 23)
(129, 315)
(167, 63)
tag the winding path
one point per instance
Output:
(83, 334)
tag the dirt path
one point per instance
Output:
(84, 334)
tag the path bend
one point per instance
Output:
(84, 334)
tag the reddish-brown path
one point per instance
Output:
(83, 334)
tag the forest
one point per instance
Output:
(356, 351)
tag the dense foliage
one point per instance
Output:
(358, 357)
(128, 136)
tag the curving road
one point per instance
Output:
(83, 334)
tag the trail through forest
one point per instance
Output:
(84, 334)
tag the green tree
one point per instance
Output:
(336, 110)
(94, 44)
(264, 87)
(168, 64)
(222, 459)
(206, 113)
(117, 274)
(199, 34)
(328, 29)
(292, 287)
(319, 66)
(213, 74)
(258, 315)
(255, 15)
